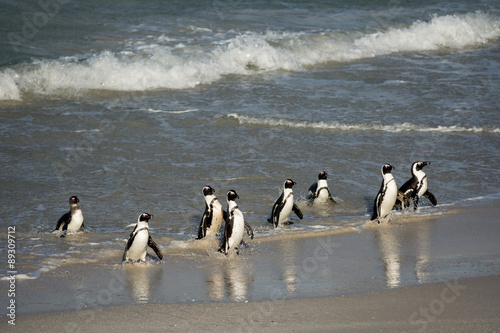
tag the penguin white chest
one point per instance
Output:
(216, 218)
(422, 184)
(391, 192)
(322, 195)
(138, 249)
(238, 229)
(76, 221)
(287, 208)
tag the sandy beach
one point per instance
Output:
(469, 305)
(379, 281)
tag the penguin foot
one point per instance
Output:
(222, 251)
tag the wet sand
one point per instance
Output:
(469, 305)
(438, 273)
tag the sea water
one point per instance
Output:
(135, 106)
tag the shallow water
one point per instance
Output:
(138, 113)
(410, 251)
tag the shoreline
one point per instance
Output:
(369, 278)
(458, 305)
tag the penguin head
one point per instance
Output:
(73, 200)
(208, 190)
(417, 166)
(387, 168)
(289, 183)
(232, 195)
(322, 175)
(145, 217)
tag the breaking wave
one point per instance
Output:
(337, 126)
(160, 66)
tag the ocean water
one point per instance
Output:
(136, 105)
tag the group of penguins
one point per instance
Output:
(388, 197)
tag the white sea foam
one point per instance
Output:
(9, 89)
(173, 112)
(30, 276)
(158, 66)
(337, 126)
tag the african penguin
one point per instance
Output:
(415, 187)
(284, 205)
(235, 225)
(386, 197)
(319, 193)
(136, 248)
(72, 220)
(211, 220)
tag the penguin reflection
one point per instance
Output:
(390, 250)
(393, 243)
(141, 281)
(423, 252)
(230, 279)
(236, 277)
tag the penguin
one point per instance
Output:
(235, 225)
(72, 220)
(211, 220)
(284, 205)
(415, 188)
(319, 193)
(386, 197)
(140, 238)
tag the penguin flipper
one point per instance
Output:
(154, 246)
(297, 211)
(224, 246)
(311, 193)
(400, 201)
(431, 197)
(406, 201)
(64, 230)
(62, 220)
(415, 198)
(330, 197)
(376, 205)
(129, 244)
(249, 230)
(275, 213)
(204, 224)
